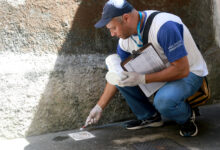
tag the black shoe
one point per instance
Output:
(189, 128)
(154, 121)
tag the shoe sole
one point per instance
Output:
(152, 125)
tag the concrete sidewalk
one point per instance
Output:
(115, 137)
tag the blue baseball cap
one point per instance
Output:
(113, 8)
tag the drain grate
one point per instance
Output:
(159, 144)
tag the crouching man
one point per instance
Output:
(184, 76)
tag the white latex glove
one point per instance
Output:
(94, 115)
(114, 78)
(133, 79)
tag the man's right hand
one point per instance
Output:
(94, 115)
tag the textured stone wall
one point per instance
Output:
(52, 60)
(216, 5)
(212, 54)
(51, 72)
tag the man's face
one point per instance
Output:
(119, 28)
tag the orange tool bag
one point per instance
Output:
(201, 97)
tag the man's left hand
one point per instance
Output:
(133, 79)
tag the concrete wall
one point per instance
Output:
(51, 67)
(52, 60)
(212, 54)
(216, 5)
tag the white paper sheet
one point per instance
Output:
(148, 62)
(81, 135)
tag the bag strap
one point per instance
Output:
(147, 26)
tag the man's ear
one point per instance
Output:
(125, 17)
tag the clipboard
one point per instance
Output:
(146, 60)
(137, 53)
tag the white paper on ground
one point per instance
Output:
(81, 135)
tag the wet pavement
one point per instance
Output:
(116, 137)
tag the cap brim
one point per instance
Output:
(101, 23)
